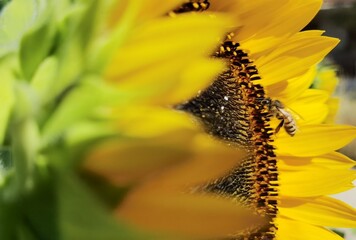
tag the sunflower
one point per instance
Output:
(294, 180)
(285, 178)
(101, 88)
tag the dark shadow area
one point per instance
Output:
(340, 23)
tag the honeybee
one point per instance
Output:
(280, 112)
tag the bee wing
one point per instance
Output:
(294, 114)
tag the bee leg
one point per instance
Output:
(279, 126)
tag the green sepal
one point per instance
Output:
(38, 40)
(61, 207)
(25, 144)
(7, 95)
(15, 19)
(81, 104)
(44, 78)
(76, 31)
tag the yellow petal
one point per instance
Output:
(194, 215)
(191, 158)
(146, 10)
(333, 160)
(146, 122)
(159, 41)
(157, 8)
(195, 77)
(296, 230)
(313, 95)
(125, 162)
(315, 182)
(324, 211)
(276, 23)
(312, 140)
(257, 47)
(311, 106)
(293, 58)
(287, 91)
(313, 33)
(248, 13)
(204, 166)
(154, 62)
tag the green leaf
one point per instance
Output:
(16, 18)
(80, 104)
(25, 142)
(26, 102)
(7, 97)
(87, 131)
(104, 49)
(24, 233)
(75, 33)
(3, 3)
(38, 40)
(81, 216)
(63, 208)
(9, 216)
(44, 78)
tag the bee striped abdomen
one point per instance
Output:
(288, 122)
